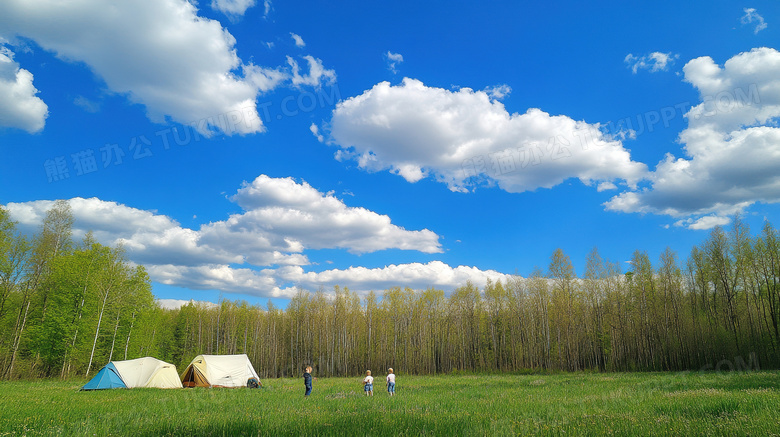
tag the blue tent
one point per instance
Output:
(108, 377)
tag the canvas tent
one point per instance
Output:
(218, 371)
(141, 372)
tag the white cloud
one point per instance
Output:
(732, 144)
(414, 275)
(264, 79)
(653, 62)
(19, 106)
(752, 16)
(607, 185)
(147, 237)
(159, 53)
(463, 137)
(219, 277)
(317, 73)
(498, 92)
(703, 223)
(285, 281)
(174, 304)
(250, 252)
(316, 220)
(298, 40)
(86, 104)
(232, 7)
(316, 132)
(393, 59)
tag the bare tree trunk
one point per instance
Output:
(246, 335)
(113, 340)
(219, 314)
(127, 342)
(97, 331)
(17, 341)
(68, 351)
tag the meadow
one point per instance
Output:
(689, 403)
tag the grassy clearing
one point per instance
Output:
(581, 404)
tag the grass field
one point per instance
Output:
(735, 403)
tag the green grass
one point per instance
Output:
(671, 404)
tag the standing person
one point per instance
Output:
(390, 381)
(307, 381)
(368, 384)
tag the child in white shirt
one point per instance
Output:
(368, 384)
(390, 381)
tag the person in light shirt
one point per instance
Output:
(368, 384)
(390, 381)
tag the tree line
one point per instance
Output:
(68, 308)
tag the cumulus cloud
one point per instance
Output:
(219, 277)
(703, 223)
(19, 106)
(232, 7)
(298, 40)
(267, 282)
(393, 59)
(317, 220)
(317, 76)
(414, 275)
(653, 62)
(498, 92)
(159, 53)
(147, 237)
(259, 251)
(604, 186)
(463, 138)
(174, 304)
(751, 16)
(731, 145)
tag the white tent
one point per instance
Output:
(218, 371)
(141, 372)
(148, 372)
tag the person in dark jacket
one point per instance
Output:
(307, 381)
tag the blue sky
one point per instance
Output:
(242, 148)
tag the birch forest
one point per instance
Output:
(68, 307)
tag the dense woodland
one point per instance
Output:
(67, 308)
